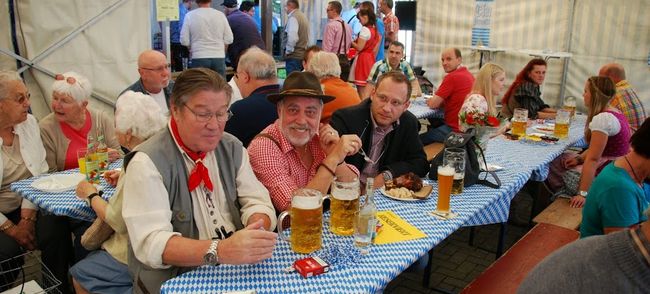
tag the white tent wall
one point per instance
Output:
(106, 52)
(619, 33)
(6, 62)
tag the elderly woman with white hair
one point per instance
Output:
(66, 129)
(22, 156)
(137, 117)
(325, 65)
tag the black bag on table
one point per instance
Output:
(466, 141)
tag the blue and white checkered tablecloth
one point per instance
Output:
(419, 108)
(371, 274)
(477, 205)
(538, 155)
(64, 203)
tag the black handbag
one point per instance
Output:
(466, 141)
(344, 62)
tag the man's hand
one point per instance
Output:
(24, 234)
(247, 246)
(85, 188)
(266, 221)
(328, 137)
(346, 146)
(435, 102)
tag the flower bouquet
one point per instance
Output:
(486, 125)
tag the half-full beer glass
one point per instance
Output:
(306, 221)
(562, 122)
(455, 158)
(344, 205)
(519, 121)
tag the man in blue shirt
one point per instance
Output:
(350, 17)
(179, 51)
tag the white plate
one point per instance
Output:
(425, 189)
(58, 183)
(547, 129)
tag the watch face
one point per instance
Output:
(210, 258)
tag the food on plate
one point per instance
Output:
(409, 181)
(400, 193)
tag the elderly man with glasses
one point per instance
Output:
(155, 78)
(190, 197)
(389, 133)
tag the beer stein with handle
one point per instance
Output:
(306, 221)
(344, 206)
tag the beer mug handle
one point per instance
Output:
(281, 217)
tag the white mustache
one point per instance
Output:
(299, 127)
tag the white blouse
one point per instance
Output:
(32, 151)
(605, 122)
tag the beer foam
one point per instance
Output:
(446, 171)
(306, 202)
(341, 194)
(458, 176)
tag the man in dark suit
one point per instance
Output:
(389, 132)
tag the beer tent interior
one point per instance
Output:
(101, 39)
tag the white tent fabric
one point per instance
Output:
(6, 62)
(106, 52)
(595, 32)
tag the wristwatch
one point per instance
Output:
(211, 257)
(583, 193)
(388, 176)
(89, 199)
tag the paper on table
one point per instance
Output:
(395, 229)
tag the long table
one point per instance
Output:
(477, 205)
(63, 203)
(420, 109)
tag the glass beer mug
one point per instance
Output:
(344, 206)
(306, 221)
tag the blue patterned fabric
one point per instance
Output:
(477, 205)
(419, 108)
(64, 203)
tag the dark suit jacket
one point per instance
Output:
(404, 152)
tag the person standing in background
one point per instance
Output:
(178, 50)
(391, 23)
(207, 33)
(297, 37)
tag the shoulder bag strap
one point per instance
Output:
(484, 181)
(343, 33)
(265, 135)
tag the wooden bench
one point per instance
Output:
(560, 213)
(507, 272)
(433, 149)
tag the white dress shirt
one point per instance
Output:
(292, 33)
(147, 214)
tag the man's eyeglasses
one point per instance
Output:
(393, 102)
(160, 68)
(207, 116)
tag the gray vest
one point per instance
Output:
(164, 153)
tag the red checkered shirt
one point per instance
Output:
(279, 167)
(391, 25)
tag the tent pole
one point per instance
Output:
(565, 67)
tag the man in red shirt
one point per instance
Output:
(450, 95)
